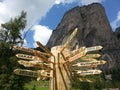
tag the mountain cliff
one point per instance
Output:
(94, 29)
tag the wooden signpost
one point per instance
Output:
(57, 63)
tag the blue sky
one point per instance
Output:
(43, 16)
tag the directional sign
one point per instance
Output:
(29, 57)
(90, 56)
(29, 50)
(88, 72)
(94, 48)
(76, 54)
(35, 52)
(85, 80)
(71, 37)
(87, 59)
(30, 63)
(81, 53)
(31, 73)
(34, 64)
(89, 64)
(44, 48)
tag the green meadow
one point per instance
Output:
(37, 85)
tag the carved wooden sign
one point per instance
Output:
(58, 65)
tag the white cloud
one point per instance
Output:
(25, 43)
(65, 1)
(118, 16)
(35, 9)
(41, 33)
(116, 22)
(83, 2)
(86, 2)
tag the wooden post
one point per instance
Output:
(61, 77)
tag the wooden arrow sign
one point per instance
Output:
(29, 50)
(88, 72)
(81, 53)
(71, 37)
(29, 57)
(31, 73)
(85, 80)
(94, 48)
(34, 58)
(76, 54)
(90, 64)
(44, 48)
(90, 56)
(35, 64)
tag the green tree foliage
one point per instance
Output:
(10, 34)
(11, 31)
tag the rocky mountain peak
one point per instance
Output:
(94, 29)
(92, 22)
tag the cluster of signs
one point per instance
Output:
(43, 61)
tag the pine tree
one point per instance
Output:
(10, 34)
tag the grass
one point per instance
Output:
(37, 85)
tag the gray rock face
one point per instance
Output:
(117, 33)
(94, 29)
